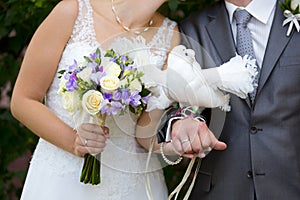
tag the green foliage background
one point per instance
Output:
(19, 19)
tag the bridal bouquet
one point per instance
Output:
(98, 87)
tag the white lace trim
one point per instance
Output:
(83, 30)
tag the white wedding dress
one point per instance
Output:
(54, 173)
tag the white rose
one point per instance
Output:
(91, 101)
(294, 4)
(135, 85)
(109, 83)
(70, 101)
(113, 69)
(85, 74)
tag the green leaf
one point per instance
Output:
(98, 52)
(61, 71)
(139, 75)
(131, 109)
(87, 59)
(110, 53)
(144, 92)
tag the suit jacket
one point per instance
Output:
(263, 139)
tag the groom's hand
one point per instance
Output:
(191, 138)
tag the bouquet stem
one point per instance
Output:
(90, 173)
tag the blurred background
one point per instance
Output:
(18, 21)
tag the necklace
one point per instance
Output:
(126, 28)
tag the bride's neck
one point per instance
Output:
(136, 13)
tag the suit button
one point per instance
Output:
(253, 130)
(249, 174)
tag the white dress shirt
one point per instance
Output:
(262, 12)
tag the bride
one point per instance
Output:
(75, 28)
(72, 30)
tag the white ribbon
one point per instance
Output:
(147, 183)
(184, 179)
(293, 20)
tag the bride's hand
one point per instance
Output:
(90, 138)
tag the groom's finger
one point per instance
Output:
(195, 142)
(220, 146)
(207, 138)
(187, 147)
(177, 146)
(186, 131)
(208, 141)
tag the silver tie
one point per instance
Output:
(244, 41)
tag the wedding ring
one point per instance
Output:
(85, 142)
(185, 140)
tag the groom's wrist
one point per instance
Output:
(169, 118)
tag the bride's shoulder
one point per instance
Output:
(67, 8)
(62, 16)
(160, 19)
(170, 25)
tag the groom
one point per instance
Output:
(262, 158)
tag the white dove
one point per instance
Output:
(184, 81)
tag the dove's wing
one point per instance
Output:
(153, 76)
(187, 84)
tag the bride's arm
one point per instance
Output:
(146, 132)
(36, 74)
(147, 127)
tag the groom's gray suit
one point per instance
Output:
(263, 153)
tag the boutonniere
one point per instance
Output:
(291, 10)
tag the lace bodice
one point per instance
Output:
(123, 160)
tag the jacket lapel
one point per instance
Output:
(276, 44)
(220, 33)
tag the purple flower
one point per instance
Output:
(111, 108)
(95, 77)
(71, 83)
(93, 56)
(113, 60)
(145, 99)
(73, 67)
(135, 98)
(93, 65)
(107, 96)
(129, 67)
(117, 95)
(123, 96)
(123, 58)
(101, 69)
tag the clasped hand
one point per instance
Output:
(191, 138)
(90, 138)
